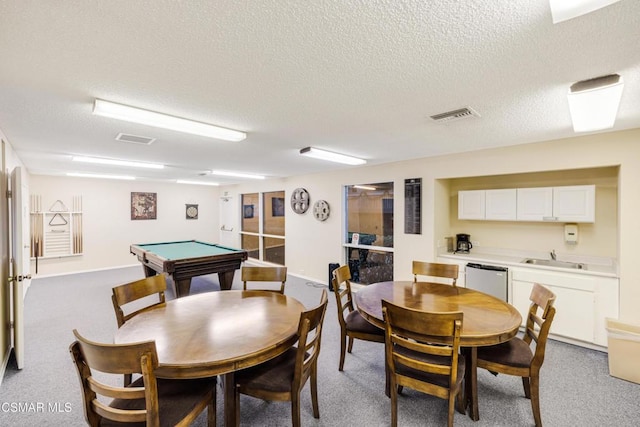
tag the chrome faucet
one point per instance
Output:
(553, 254)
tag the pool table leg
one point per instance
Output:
(183, 287)
(226, 279)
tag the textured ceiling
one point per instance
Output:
(358, 77)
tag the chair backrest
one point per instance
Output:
(139, 358)
(310, 334)
(344, 299)
(130, 292)
(433, 269)
(265, 274)
(538, 325)
(412, 334)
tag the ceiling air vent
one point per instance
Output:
(134, 139)
(459, 114)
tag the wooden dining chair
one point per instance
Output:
(149, 400)
(282, 378)
(352, 324)
(433, 269)
(264, 274)
(137, 296)
(422, 352)
(516, 357)
(135, 291)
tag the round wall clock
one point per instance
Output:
(192, 211)
(321, 210)
(300, 200)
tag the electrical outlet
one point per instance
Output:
(475, 242)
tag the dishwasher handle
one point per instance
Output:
(486, 267)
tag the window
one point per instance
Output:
(263, 216)
(369, 226)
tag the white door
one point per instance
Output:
(228, 228)
(20, 254)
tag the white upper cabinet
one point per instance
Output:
(560, 204)
(471, 204)
(535, 204)
(500, 205)
(574, 203)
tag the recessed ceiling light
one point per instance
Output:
(237, 174)
(160, 120)
(182, 181)
(93, 175)
(115, 162)
(330, 156)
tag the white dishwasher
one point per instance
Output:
(489, 279)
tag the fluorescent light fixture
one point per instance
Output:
(330, 156)
(182, 181)
(117, 162)
(594, 103)
(93, 175)
(151, 118)
(237, 174)
(562, 10)
(364, 187)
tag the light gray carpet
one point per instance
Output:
(576, 388)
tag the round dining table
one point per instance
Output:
(216, 333)
(487, 320)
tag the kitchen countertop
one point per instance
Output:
(595, 266)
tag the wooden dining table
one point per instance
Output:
(216, 333)
(487, 320)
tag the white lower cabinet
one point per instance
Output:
(582, 303)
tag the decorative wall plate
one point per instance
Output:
(192, 211)
(321, 210)
(300, 200)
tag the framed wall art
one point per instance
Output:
(277, 206)
(247, 211)
(144, 205)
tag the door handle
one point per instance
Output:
(12, 279)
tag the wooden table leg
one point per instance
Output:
(231, 411)
(471, 382)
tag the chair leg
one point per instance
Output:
(460, 403)
(211, 409)
(314, 392)
(343, 347)
(295, 409)
(527, 387)
(451, 405)
(394, 404)
(350, 344)
(535, 399)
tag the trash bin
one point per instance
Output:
(624, 350)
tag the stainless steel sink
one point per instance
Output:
(554, 263)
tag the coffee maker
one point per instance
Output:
(463, 243)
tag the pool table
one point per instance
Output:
(183, 260)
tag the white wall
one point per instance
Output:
(311, 244)
(107, 225)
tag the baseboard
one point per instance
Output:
(44, 276)
(5, 363)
